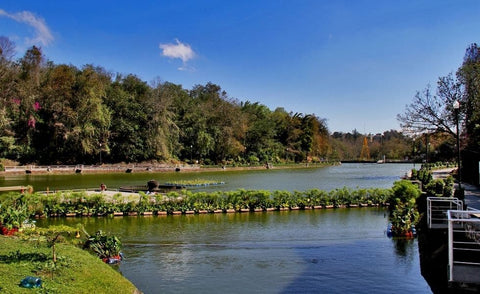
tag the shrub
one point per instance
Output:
(103, 245)
(414, 174)
(403, 191)
(403, 212)
(448, 189)
(14, 211)
(435, 187)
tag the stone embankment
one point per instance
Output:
(104, 168)
(142, 168)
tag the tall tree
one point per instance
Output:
(432, 113)
(469, 76)
(27, 101)
(58, 115)
(212, 123)
(126, 100)
(260, 131)
(92, 118)
(8, 96)
(164, 134)
(7, 48)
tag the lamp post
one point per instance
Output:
(427, 146)
(413, 153)
(456, 107)
(100, 153)
(191, 154)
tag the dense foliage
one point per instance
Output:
(392, 145)
(62, 114)
(58, 113)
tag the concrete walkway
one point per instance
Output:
(472, 192)
(472, 195)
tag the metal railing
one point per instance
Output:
(464, 246)
(437, 208)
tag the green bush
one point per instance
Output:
(448, 189)
(404, 191)
(103, 245)
(435, 187)
(403, 212)
(14, 210)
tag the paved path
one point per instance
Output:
(472, 196)
(472, 192)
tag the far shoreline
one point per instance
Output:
(146, 168)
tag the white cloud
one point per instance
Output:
(179, 50)
(42, 32)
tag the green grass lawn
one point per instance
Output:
(77, 271)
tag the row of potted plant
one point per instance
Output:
(83, 204)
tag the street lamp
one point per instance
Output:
(191, 154)
(413, 153)
(427, 146)
(100, 153)
(456, 107)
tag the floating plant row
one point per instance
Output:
(195, 183)
(81, 203)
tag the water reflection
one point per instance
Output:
(331, 251)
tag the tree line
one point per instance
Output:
(61, 114)
(452, 109)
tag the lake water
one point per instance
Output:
(312, 251)
(351, 175)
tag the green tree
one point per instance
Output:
(125, 99)
(469, 77)
(260, 131)
(8, 97)
(26, 105)
(92, 117)
(212, 124)
(58, 115)
(163, 132)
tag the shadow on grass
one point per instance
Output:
(18, 256)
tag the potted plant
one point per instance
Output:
(107, 247)
(13, 213)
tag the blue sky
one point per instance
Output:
(355, 63)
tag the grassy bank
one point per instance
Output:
(77, 271)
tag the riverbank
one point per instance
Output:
(76, 271)
(145, 168)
